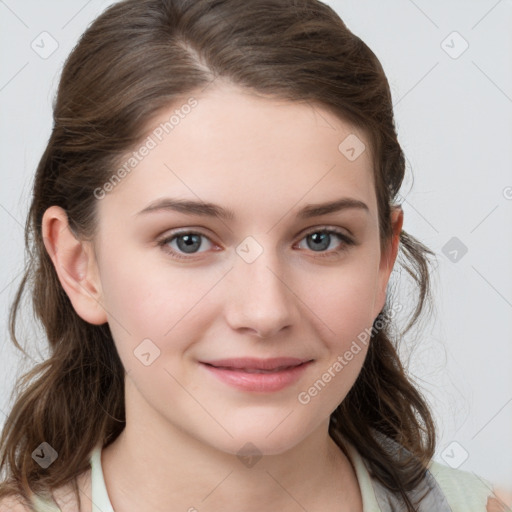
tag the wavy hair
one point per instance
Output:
(137, 58)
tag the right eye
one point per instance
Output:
(187, 242)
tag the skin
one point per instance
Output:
(264, 159)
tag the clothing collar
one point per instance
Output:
(375, 496)
(378, 498)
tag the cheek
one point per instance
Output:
(344, 319)
(147, 299)
(345, 298)
(132, 296)
(142, 301)
(343, 306)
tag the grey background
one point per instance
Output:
(454, 118)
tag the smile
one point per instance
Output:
(258, 375)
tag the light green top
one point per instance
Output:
(451, 490)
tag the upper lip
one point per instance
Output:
(252, 363)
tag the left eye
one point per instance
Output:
(188, 242)
(321, 239)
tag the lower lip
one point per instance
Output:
(259, 382)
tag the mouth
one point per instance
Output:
(255, 370)
(258, 375)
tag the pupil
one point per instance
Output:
(186, 242)
(317, 238)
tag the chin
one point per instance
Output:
(264, 438)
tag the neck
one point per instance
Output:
(148, 470)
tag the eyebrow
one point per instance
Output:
(213, 210)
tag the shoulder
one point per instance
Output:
(464, 491)
(64, 499)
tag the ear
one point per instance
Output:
(388, 256)
(75, 264)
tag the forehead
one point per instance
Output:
(252, 154)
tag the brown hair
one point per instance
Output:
(135, 59)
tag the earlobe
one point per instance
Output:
(75, 265)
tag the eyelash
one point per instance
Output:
(346, 242)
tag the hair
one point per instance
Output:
(137, 58)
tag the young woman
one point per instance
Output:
(213, 227)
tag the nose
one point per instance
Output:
(260, 300)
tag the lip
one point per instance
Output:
(258, 375)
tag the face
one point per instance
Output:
(187, 293)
